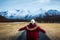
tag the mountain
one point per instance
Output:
(2, 18)
(21, 14)
(53, 12)
(27, 14)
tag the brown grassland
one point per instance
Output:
(9, 30)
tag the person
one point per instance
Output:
(32, 30)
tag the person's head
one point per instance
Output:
(32, 22)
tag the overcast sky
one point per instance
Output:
(29, 4)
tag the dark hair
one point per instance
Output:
(30, 24)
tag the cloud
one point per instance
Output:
(29, 4)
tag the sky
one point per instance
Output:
(31, 5)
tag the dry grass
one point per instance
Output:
(8, 31)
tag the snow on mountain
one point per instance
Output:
(53, 12)
(26, 14)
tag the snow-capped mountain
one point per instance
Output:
(27, 14)
(13, 14)
(53, 12)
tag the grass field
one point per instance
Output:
(9, 31)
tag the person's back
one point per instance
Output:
(32, 31)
